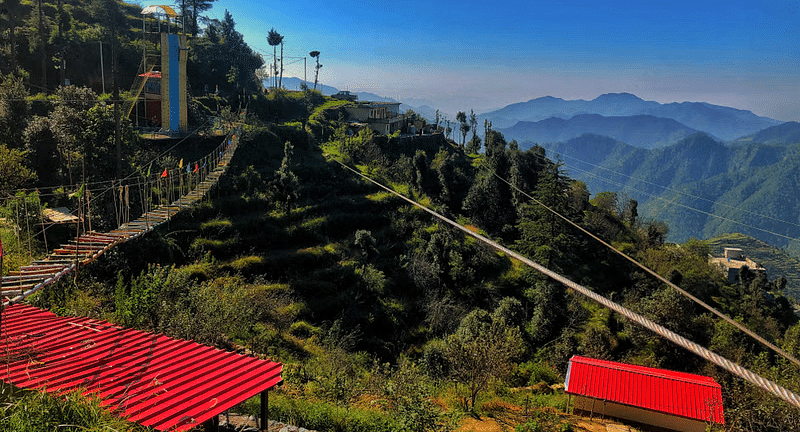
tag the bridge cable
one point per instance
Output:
(705, 353)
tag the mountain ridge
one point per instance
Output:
(723, 122)
(644, 131)
(699, 187)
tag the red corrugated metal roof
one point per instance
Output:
(148, 378)
(682, 394)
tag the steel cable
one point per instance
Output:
(707, 354)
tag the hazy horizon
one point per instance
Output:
(465, 55)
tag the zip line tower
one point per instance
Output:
(160, 90)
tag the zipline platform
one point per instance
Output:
(88, 247)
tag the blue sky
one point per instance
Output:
(484, 55)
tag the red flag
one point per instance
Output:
(164, 174)
(195, 168)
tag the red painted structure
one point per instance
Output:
(165, 383)
(693, 397)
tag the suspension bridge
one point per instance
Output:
(90, 245)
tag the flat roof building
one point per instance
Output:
(732, 263)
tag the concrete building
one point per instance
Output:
(732, 263)
(382, 117)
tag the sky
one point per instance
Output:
(484, 55)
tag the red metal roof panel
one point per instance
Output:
(687, 395)
(165, 383)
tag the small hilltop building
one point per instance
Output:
(382, 117)
(732, 262)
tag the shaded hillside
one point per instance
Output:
(786, 133)
(778, 262)
(722, 122)
(699, 187)
(640, 130)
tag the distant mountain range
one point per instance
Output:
(722, 122)
(786, 133)
(700, 187)
(643, 131)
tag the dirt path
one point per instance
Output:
(486, 424)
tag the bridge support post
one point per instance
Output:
(265, 410)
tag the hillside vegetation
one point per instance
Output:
(699, 187)
(358, 292)
(384, 318)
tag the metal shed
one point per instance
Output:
(667, 399)
(165, 383)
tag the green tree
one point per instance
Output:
(315, 55)
(544, 236)
(13, 172)
(10, 13)
(274, 38)
(366, 242)
(286, 183)
(474, 145)
(488, 202)
(482, 350)
(473, 124)
(461, 118)
(14, 108)
(197, 6)
(112, 18)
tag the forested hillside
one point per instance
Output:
(385, 318)
(639, 131)
(701, 188)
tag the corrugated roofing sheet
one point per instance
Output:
(687, 395)
(151, 379)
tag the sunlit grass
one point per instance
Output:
(379, 196)
(247, 262)
(215, 224)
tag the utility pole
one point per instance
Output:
(42, 48)
(102, 69)
(62, 69)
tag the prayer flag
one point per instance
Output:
(195, 168)
(148, 169)
(164, 174)
(78, 192)
(180, 164)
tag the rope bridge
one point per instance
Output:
(87, 247)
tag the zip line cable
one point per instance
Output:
(707, 354)
(685, 293)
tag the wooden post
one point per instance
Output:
(265, 410)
